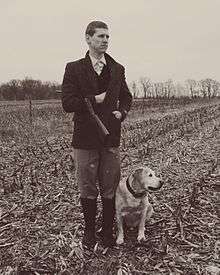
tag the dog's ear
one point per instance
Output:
(138, 173)
(137, 179)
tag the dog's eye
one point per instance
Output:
(150, 175)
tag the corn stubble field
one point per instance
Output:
(40, 218)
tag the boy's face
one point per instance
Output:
(99, 41)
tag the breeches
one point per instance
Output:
(97, 171)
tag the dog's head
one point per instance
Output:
(145, 179)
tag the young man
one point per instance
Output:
(99, 78)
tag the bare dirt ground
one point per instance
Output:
(40, 217)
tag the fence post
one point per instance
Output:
(30, 110)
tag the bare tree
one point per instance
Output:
(11, 90)
(134, 89)
(158, 89)
(216, 88)
(146, 85)
(207, 87)
(169, 88)
(191, 84)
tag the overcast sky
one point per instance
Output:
(160, 39)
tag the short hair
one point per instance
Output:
(91, 28)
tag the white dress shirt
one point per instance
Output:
(98, 64)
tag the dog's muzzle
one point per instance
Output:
(156, 188)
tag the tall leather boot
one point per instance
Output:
(108, 222)
(89, 212)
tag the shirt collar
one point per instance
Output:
(94, 60)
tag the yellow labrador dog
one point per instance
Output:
(132, 204)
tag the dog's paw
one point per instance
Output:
(120, 240)
(141, 238)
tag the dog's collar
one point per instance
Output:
(136, 195)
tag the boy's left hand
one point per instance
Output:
(117, 114)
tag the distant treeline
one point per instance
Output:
(31, 89)
(145, 88)
(28, 88)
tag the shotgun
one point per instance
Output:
(102, 130)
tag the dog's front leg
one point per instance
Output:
(120, 237)
(146, 214)
(141, 227)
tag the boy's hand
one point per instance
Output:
(117, 114)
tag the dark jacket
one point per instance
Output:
(79, 82)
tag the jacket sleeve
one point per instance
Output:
(72, 98)
(125, 97)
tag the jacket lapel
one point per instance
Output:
(89, 75)
(113, 73)
(113, 80)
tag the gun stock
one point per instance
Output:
(102, 130)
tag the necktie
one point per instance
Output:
(98, 67)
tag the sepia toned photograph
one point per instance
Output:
(109, 137)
